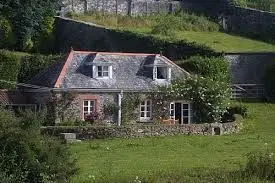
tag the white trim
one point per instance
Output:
(145, 118)
(89, 106)
(168, 73)
(190, 113)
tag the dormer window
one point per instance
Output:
(102, 71)
(162, 73)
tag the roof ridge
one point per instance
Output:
(115, 53)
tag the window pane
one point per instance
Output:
(99, 68)
(161, 72)
(105, 68)
(91, 109)
(142, 114)
(105, 74)
(185, 106)
(142, 108)
(185, 120)
(92, 103)
(85, 103)
(148, 114)
(142, 103)
(148, 109)
(185, 112)
(85, 109)
(99, 74)
(149, 102)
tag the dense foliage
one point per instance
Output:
(20, 67)
(28, 157)
(210, 98)
(27, 24)
(267, 5)
(9, 68)
(209, 90)
(211, 67)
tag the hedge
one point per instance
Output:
(21, 67)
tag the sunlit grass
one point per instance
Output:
(121, 160)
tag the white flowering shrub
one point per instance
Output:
(210, 98)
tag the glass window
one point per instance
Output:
(88, 107)
(145, 110)
(102, 71)
(161, 73)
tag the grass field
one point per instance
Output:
(179, 158)
(219, 41)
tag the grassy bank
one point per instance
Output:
(184, 26)
(176, 159)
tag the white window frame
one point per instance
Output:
(172, 110)
(103, 70)
(145, 104)
(155, 73)
(89, 107)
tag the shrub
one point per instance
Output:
(26, 156)
(234, 109)
(9, 67)
(212, 67)
(33, 64)
(261, 165)
(6, 35)
(210, 98)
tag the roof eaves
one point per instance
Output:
(64, 69)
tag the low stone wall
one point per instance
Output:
(101, 132)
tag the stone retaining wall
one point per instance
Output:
(87, 36)
(101, 132)
(124, 7)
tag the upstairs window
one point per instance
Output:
(162, 73)
(102, 71)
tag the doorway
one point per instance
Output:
(181, 111)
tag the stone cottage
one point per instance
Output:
(97, 78)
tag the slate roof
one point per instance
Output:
(131, 71)
(12, 97)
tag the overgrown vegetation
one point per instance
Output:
(183, 27)
(21, 31)
(28, 157)
(266, 5)
(21, 67)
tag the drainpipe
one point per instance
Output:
(120, 96)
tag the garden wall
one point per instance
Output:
(249, 68)
(100, 132)
(86, 36)
(124, 7)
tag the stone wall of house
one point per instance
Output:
(85, 36)
(72, 110)
(101, 132)
(124, 7)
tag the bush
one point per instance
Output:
(31, 65)
(261, 165)
(210, 98)
(9, 67)
(212, 67)
(234, 109)
(6, 35)
(26, 156)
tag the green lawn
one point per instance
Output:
(219, 41)
(175, 159)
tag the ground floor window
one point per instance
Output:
(88, 107)
(146, 111)
(181, 111)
